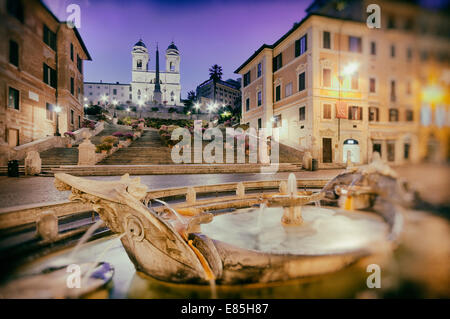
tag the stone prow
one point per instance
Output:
(152, 243)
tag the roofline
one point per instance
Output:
(222, 82)
(77, 34)
(107, 83)
(80, 39)
(288, 33)
(264, 46)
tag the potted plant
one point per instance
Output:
(71, 135)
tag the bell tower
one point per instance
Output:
(172, 59)
(140, 56)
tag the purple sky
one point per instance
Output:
(205, 32)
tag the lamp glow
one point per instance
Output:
(350, 68)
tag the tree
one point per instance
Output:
(189, 103)
(215, 73)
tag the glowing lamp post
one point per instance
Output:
(57, 111)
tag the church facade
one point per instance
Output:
(149, 86)
(153, 86)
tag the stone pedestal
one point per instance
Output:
(307, 161)
(33, 163)
(86, 152)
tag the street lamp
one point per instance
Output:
(57, 111)
(140, 108)
(348, 70)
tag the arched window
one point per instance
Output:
(172, 67)
(139, 64)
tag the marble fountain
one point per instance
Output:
(242, 237)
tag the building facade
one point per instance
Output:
(41, 67)
(227, 92)
(100, 93)
(337, 88)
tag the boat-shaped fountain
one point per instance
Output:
(186, 242)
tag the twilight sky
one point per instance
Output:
(205, 32)
(226, 32)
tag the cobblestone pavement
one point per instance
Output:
(432, 181)
(33, 190)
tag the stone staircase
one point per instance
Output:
(60, 156)
(146, 150)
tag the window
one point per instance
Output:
(302, 113)
(277, 120)
(354, 44)
(355, 113)
(79, 121)
(13, 53)
(13, 98)
(72, 86)
(14, 8)
(406, 149)
(373, 48)
(408, 87)
(79, 64)
(115, 92)
(278, 93)
(326, 77)
(424, 55)
(259, 69)
(326, 40)
(392, 51)
(301, 46)
(247, 104)
(71, 117)
(247, 78)
(71, 51)
(259, 124)
(277, 62)
(409, 24)
(327, 111)
(301, 82)
(391, 22)
(259, 98)
(409, 115)
(409, 54)
(50, 76)
(49, 38)
(390, 151)
(372, 85)
(355, 77)
(373, 114)
(393, 115)
(288, 89)
(393, 95)
(49, 111)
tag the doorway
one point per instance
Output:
(326, 150)
(351, 147)
(13, 137)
